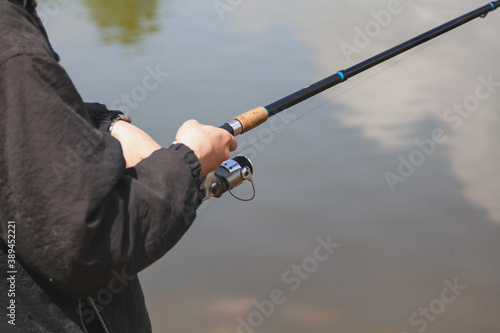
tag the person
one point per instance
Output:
(82, 210)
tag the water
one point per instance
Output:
(322, 175)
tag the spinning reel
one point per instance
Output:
(229, 175)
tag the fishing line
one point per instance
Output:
(340, 94)
(235, 171)
(253, 118)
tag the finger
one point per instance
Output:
(231, 140)
(233, 144)
(192, 122)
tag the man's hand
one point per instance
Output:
(211, 145)
(136, 144)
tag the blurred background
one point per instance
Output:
(415, 216)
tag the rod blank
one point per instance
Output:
(253, 118)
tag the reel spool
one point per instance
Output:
(230, 174)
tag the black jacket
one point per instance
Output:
(84, 225)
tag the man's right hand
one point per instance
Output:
(210, 144)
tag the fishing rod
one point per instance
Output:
(233, 172)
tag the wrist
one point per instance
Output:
(117, 119)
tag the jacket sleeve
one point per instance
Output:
(80, 215)
(100, 116)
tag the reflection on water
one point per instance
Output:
(124, 21)
(323, 174)
(470, 123)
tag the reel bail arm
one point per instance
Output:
(231, 174)
(234, 172)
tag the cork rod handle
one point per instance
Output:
(253, 118)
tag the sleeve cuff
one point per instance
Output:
(192, 161)
(100, 116)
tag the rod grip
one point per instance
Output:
(253, 118)
(228, 128)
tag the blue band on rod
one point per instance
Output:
(267, 112)
(341, 76)
(492, 5)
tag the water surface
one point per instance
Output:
(323, 174)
